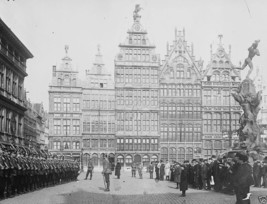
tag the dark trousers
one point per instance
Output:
(241, 193)
(208, 184)
(89, 172)
(133, 173)
(151, 175)
(157, 175)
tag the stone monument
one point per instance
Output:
(249, 100)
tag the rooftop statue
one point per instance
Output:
(135, 13)
(252, 51)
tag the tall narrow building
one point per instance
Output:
(180, 102)
(220, 111)
(98, 113)
(65, 95)
(136, 92)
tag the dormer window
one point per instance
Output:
(101, 85)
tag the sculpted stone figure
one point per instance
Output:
(252, 51)
(249, 100)
(135, 13)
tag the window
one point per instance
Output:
(145, 160)
(110, 143)
(181, 154)
(66, 145)
(94, 143)
(128, 160)
(180, 71)
(164, 154)
(66, 126)
(56, 145)
(154, 145)
(154, 158)
(86, 125)
(76, 104)
(207, 122)
(2, 120)
(95, 159)
(66, 104)
(76, 127)
(8, 81)
(8, 122)
(120, 159)
(14, 86)
(217, 122)
(103, 143)
(189, 153)
(172, 154)
(120, 145)
(57, 104)
(57, 127)
(2, 75)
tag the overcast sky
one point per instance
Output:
(46, 26)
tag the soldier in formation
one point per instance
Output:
(22, 171)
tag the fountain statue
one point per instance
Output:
(249, 100)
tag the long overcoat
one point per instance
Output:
(177, 173)
(118, 169)
(184, 178)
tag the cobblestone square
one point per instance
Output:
(126, 190)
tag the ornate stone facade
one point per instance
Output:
(136, 96)
(65, 97)
(220, 111)
(98, 110)
(180, 102)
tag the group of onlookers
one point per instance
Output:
(226, 175)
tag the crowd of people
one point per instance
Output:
(22, 171)
(226, 175)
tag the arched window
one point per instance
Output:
(181, 154)
(189, 153)
(154, 158)
(145, 160)
(86, 158)
(172, 155)
(120, 159)
(95, 159)
(128, 160)
(164, 153)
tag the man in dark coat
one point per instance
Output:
(162, 170)
(177, 174)
(118, 170)
(243, 179)
(204, 172)
(157, 170)
(150, 170)
(184, 178)
(133, 169)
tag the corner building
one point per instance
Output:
(136, 96)
(65, 95)
(13, 56)
(180, 102)
(98, 110)
(221, 113)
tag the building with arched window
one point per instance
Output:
(180, 101)
(220, 111)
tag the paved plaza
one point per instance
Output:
(123, 191)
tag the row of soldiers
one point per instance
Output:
(22, 171)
